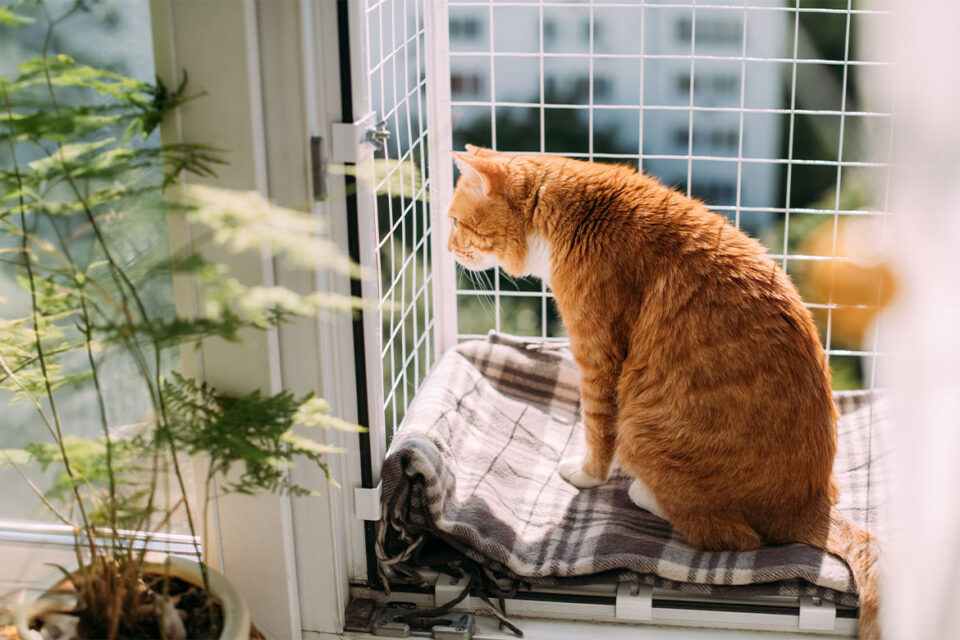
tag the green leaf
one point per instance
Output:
(14, 457)
(68, 153)
(10, 19)
(313, 413)
(245, 221)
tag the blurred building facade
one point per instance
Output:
(630, 56)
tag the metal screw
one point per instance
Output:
(378, 135)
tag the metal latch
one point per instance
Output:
(366, 503)
(817, 614)
(355, 141)
(359, 615)
(634, 602)
(401, 619)
(378, 135)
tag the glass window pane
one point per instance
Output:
(114, 35)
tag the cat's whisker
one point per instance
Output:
(477, 282)
(488, 283)
(480, 283)
(514, 281)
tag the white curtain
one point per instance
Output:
(921, 597)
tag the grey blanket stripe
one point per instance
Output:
(474, 465)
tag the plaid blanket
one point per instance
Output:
(475, 466)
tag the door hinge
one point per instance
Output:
(355, 141)
(366, 503)
(817, 614)
(634, 602)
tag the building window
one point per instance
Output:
(724, 138)
(718, 138)
(550, 88)
(464, 84)
(721, 85)
(710, 31)
(726, 85)
(581, 87)
(549, 29)
(464, 28)
(716, 192)
(585, 31)
(601, 87)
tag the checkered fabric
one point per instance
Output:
(475, 465)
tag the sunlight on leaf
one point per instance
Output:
(243, 221)
(10, 19)
(396, 178)
(313, 413)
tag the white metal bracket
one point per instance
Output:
(634, 602)
(355, 141)
(449, 588)
(817, 614)
(366, 503)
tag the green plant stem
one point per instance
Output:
(121, 274)
(36, 332)
(36, 490)
(88, 342)
(33, 399)
(166, 519)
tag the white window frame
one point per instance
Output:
(271, 74)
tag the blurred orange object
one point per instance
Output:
(858, 279)
(9, 633)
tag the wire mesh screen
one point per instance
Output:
(393, 32)
(756, 107)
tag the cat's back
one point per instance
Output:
(719, 331)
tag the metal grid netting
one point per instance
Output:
(756, 107)
(396, 86)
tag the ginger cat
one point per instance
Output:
(701, 370)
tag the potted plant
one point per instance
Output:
(84, 187)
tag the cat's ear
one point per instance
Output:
(483, 152)
(489, 172)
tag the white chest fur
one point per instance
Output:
(538, 258)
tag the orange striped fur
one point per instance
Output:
(701, 370)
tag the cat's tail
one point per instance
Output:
(860, 550)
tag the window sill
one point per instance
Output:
(546, 629)
(575, 612)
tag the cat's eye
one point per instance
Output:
(455, 226)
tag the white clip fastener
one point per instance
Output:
(634, 602)
(366, 503)
(351, 141)
(817, 614)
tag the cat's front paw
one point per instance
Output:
(571, 470)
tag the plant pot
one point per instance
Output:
(236, 616)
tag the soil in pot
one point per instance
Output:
(188, 614)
